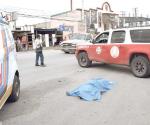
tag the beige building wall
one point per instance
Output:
(46, 25)
(70, 26)
(71, 20)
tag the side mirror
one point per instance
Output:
(92, 41)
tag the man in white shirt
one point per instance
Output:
(39, 51)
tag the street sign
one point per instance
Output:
(61, 27)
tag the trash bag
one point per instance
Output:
(92, 89)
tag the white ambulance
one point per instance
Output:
(9, 74)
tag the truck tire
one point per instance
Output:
(15, 90)
(66, 52)
(140, 66)
(83, 60)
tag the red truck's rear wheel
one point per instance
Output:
(140, 66)
(83, 60)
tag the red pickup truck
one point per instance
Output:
(129, 47)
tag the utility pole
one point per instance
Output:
(83, 21)
(135, 16)
(135, 12)
(123, 19)
(82, 17)
(71, 5)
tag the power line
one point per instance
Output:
(27, 12)
(24, 10)
(27, 15)
(33, 16)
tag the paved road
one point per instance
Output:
(43, 100)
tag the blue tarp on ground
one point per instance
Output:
(92, 89)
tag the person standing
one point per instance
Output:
(39, 51)
(18, 46)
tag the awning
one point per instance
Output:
(45, 31)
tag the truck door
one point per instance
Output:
(98, 51)
(117, 49)
(3, 62)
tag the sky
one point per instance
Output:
(58, 6)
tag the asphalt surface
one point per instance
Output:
(43, 99)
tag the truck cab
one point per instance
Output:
(128, 46)
(9, 74)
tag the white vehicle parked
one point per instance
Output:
(69, 46)
(9, 74)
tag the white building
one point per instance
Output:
(76, 21)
